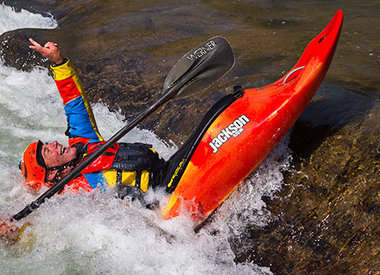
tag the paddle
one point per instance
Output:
(198, 69)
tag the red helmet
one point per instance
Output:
(33, 166)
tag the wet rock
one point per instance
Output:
(123, 64)
(15, 50)
(325, 220)
(326, 217)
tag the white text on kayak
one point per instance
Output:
(232, 130)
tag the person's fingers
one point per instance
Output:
(50, 50)
(50, 45)
(35, 45)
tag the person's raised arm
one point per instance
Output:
(50, 50)
(81, 120)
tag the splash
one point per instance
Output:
(246, 207)
(11, 20)
(95, 232)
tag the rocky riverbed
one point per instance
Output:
(326, 217)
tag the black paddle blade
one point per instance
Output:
(200, 67)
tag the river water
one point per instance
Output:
(95, 233)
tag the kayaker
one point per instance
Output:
(131, 167)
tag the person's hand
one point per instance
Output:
(50, 50)
(8, 230)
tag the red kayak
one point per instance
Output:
(241, 130)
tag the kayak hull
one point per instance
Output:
(245, 132)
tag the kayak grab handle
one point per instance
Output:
(291, 72)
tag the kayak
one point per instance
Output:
(241, 129)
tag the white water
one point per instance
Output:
(95, 233)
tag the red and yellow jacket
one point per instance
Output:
(82, 129)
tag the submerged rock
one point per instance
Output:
(325, 219)
(123, 64)
(15, 50)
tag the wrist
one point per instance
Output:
(60, 62)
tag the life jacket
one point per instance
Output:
(103, 162)
(123, 165)
(136, 165)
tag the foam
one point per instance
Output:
(11, 20)
(94, 233)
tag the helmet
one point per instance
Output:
(33, 167)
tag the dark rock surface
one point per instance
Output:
(123, 64)
(16, 53)
(121, 81)
(326, 218)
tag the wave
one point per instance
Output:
(12, 20)
(96, 233)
